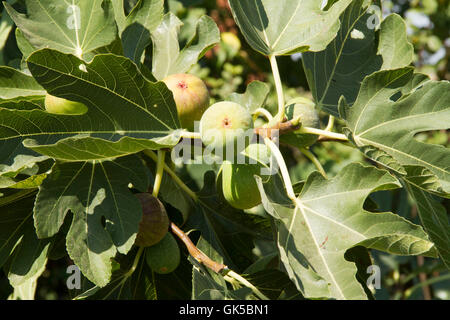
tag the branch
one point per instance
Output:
(280, 127)
(229, 275)
(196, 253)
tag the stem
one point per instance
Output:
(278, 86)
(284, 170)
(159, 173)
(196, 253)
(324, 133)
(190, 135)
(263, 112)
(173, 175)
(246, 283)
(330, 125)
(218, 268)
(314, 160)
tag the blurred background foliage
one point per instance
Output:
(232, 65)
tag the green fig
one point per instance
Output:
(191, 97)
(309, 117)
(238, 184)
(258, 152)
(154, 224)
(164, 257)
(226, 125)
(57, 105)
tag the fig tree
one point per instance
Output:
(164, 257)
(191, 97)
(63, 106)
(226, 125)
(154, 224)
(305, 109)
(238, 185)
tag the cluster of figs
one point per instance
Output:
(223, 126)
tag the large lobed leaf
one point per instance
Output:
(358, 50)
(126, 113)
(77, 26)
(136, 28)
(391, 108)
(328, 219)
(287, 26)
(106, 215)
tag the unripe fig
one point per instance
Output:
(226, 125)
(164, 257)
(239, 186)
(154, 224)
(231, 40)
(62, 106)
(305, 109)
(191, 97)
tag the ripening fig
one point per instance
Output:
(226, 125)
(309, 117)
(191, 97)
(154, 224)
(63, 106)
(164, 257)
(238, 184)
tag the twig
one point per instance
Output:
(159, 173)
(324, 133)
(282, 165)
(281, 128)
(196, 253)
(173, 175)
(263, 112)
(330, 124)
(229, 275)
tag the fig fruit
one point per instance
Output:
(191, 97)
(238, 184)
(226, 124)
(63, 106)
(154, 224)
(309, 117)
(164, 257)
